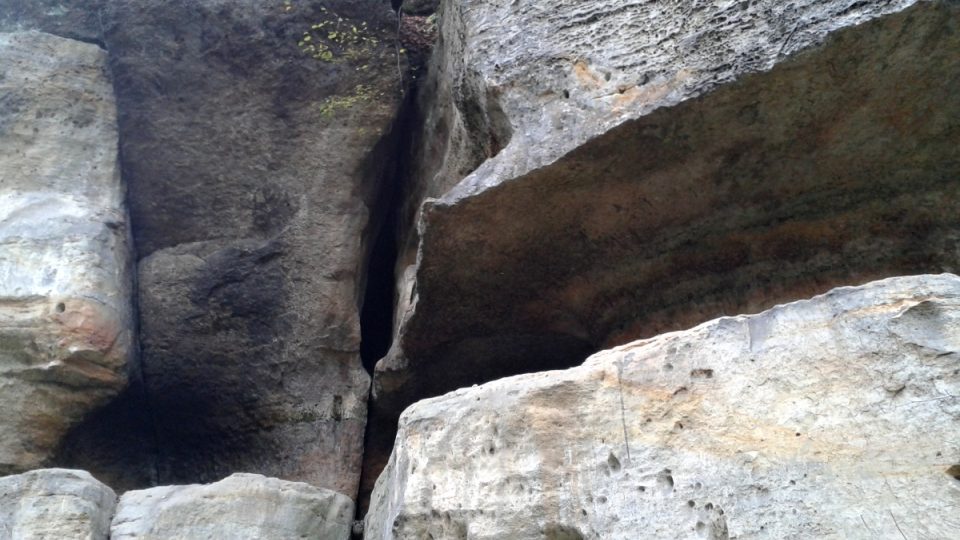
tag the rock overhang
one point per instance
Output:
(823, 154)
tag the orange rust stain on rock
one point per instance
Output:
(775, 442)
(88, 325)
(586, 75)
(650, 93)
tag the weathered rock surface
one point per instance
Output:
(240, 507)
(253, 145)
(66, 328)
(55, 504)
(834, 417)
(597, 172)
(75, 19)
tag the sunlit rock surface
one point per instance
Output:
(241, 507)
(834, 417)
(55, 504)
(66, 328)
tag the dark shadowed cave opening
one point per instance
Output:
(376, 314)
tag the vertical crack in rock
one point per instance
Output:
(252, 163)
(623, 408)
(119, 442)
(379, 299)
(139, 384)
(385, 272)
(376, 316)
(379, 284)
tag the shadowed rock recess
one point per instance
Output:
(252, 160)
(654, 165)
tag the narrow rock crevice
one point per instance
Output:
(376, 313)
(150, 443)
(119, 442)
(415, 37)
(380, 294)
(376, 317)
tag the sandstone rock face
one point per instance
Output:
(253, 145)
(54, 504)
(66, 328)
(241, 507)
(597, 172)
(834, 417)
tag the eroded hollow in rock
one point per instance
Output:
(117, 443)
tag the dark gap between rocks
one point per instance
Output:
(380, 289)
(376, 314)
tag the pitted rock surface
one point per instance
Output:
(55, 504)
(834, 417)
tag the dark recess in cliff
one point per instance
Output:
(376, 315)
(252, 169)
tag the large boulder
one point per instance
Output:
(835, 417)
(240, 507)
(590, 173)
(55, 504)
(255, 136)
(66, 323)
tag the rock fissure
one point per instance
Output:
(379, 302)
(379, 298)
(623, 409)
(254, 174)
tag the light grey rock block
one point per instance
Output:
(55, 504)
(66, 328)
(834, 417)
(240, 507)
